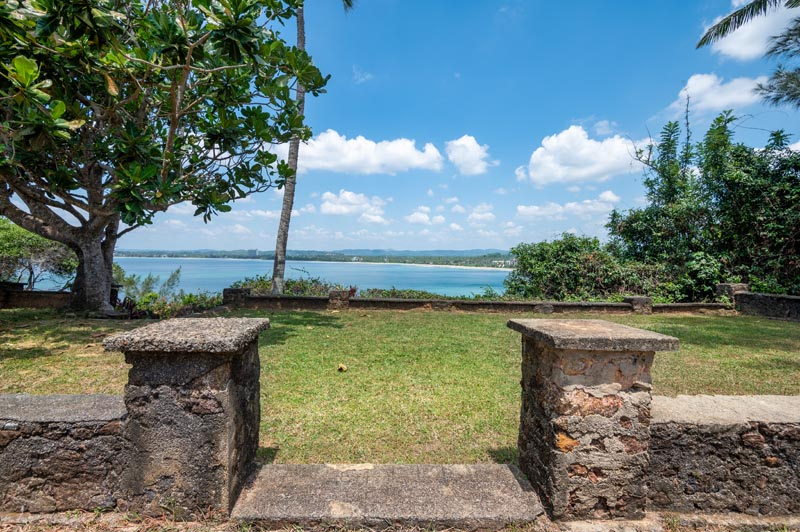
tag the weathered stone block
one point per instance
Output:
(193, 404)
(585, 415)
(725, 454)
(338, 299)
(729, 290)
(639, 304)
(61, 452)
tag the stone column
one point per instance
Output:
(585, 416)
(729, 290)
(640, 304)
(193, 412)
(235, 297)
(338, 299)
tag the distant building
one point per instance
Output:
(356, 259)
(508, 263)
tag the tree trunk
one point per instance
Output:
(279, 263)
(92, 288)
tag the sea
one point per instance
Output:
(212, 275)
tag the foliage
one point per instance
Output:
(735, 218)
(305, 286)
(118, 109)
(576, 267)
(783, 87)
(397, 293)
(164, 301)
(29, 258)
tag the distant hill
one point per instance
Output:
(425, 253)
(309, 252)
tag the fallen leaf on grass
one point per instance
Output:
(341, 368)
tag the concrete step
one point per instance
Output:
(467, 497)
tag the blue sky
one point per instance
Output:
(485, 123)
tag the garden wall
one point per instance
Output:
(725, 454)
(61, 452)
(768, 305)
(34, 299)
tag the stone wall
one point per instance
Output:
(769, 305)
(61, 452)
(34, 299)
(725, 454)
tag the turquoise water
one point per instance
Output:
(215, 274)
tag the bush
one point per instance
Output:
(577, 268)
(143, 300)
(305, 286)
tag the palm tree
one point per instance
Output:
(279, 263)
(783, 87)
(740, 17)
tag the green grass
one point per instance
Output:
(436, 387)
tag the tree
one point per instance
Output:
(114, 110)
(783, 86)
(279, 262)
(29, 258)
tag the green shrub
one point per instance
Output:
(305, 286)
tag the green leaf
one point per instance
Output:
(57, 110)
(25, 70)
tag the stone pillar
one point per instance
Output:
(640, 304)
(234, 297)
(193, 412)
(585, 416)
(729, 290)
(338, 299)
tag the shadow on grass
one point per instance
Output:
(266, 455)
(285, 325)
(741, 332)
(504, 455)
(773, 364)
(43, 338)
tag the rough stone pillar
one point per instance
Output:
(193, 412)
(338, 299)
(585, 417)
(729, 290)
(234, 297)
(640, 304)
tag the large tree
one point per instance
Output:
(783, 87)
(114, 110)
(279, 263)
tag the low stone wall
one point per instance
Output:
(61, 452)
(34, 299)
(769, 305)
(725, 454)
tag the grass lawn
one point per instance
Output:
(435, 387)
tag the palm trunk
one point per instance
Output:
(279, 264)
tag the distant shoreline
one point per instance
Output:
(458, 266)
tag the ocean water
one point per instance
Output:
(215, 274)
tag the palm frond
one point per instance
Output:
(740, 17)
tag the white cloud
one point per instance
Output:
(439, 219)
(423, 208)
(708, 92)
(574, 188)
(468, 156)
(418, 217)
(601, 205)
(308, 209)
(239, 229)
(501, 191)
(174, 224)
(512, 229)
(751, 41)
(572, 157)
(350, 203)
(481, 213)
(459, 209)
(604, 127)
(360, 76)
(455, 227)
(440, 208)
(333, 152)
(795, 146)
(448, 201)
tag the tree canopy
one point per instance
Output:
(114, 110)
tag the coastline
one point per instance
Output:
(458, 266)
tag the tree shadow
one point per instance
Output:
(289, 324)
(504, 455)
(773, 364)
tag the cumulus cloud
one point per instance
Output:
(481, 213)
(351, 203)
(468, 156)
(458, 209)
(601, 205)
(239, 229)
(333, 152)
(708, 93)
(438, 219)
(448, 201)
(418, 217)
(751, 41)
(572, 157)
(604, 127)
(455, 227)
